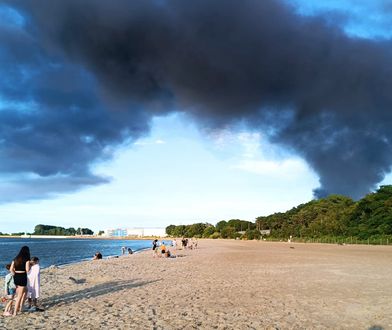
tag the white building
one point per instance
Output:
(136, 232)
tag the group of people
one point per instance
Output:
(161, 249)
(188, 243)
(21, 283)
(124, 249)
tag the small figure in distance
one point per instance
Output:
(163, 248)
(10, 290)
(97, 256)
(154, 247)
(130, 251)
(123, 249)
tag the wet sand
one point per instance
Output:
(224, 284)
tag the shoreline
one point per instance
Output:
(114, 256)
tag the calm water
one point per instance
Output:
(64, 251)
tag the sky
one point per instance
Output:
(125, 119)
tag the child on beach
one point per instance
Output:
(33, 283)
(10, 290)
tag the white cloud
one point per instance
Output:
(287, 169)
(251, 144)
(148, 142)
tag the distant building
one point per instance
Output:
(119, 232)
(135, 232)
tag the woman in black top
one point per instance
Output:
(20, 267)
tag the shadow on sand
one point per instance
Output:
(92, 292)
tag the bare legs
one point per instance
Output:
(20, 298)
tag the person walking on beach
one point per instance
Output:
(10, 289)
(33, 284)
(20, 267)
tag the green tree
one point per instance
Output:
(179, 231)
(170, 229)
(195, 230)
(240, 225)
(228, 232)
(372, 215)
(220, 225)
(251, 234)
(208, 231)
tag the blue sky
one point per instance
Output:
(180, 172)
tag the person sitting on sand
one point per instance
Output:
(97, 256)
(10, 290)
(130, 251)
(163, 248)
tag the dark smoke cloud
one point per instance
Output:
(94, 72)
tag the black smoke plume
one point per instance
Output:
(88, 75)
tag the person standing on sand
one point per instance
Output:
(9, 286)
(154, 247)
(33, 286)
(20, 267)
(123, 249)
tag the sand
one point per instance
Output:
(224, 284)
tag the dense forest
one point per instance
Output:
(334, 216)
(54, 230)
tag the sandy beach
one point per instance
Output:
(224, 284)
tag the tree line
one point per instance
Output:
(223, 229)
(60, 231)
(333, 216)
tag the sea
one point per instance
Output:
(55, 251)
